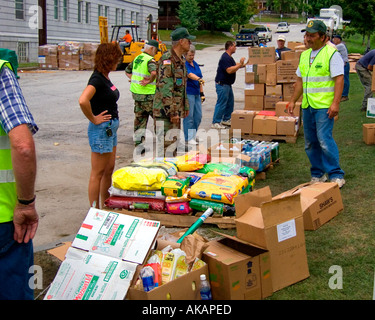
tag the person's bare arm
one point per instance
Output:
(24, 167)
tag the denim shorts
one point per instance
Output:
(99, 141)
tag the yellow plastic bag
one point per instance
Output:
(143, 175)
(191, 162)
(218, 187)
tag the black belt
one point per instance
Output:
(220, 83)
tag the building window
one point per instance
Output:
(20, 9)
(100, 10)
(117, 17)
(56, 9)
(65, 10)
(87, 13)
(80, 10)
(123, 16)
(106, 11)
(23, 51)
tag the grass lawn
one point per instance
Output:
(347, 240)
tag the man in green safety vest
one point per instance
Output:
(142, 74)
(18, 216)
(321, 80)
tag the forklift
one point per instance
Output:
(135, 48)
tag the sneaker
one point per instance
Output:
(217, 125)
(339, 181)
(344, 99)
(316, 179)
(226, 123)
(192, 142)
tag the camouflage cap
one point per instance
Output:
(315, 26)
(153, 43)
(181, 33)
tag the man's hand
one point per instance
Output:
(175, 119)
(333, 110)
(25, 222)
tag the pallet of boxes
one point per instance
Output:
(68, 55)
(269, 85)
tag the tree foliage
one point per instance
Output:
(188, 13)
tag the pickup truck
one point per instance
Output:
(247, 36)
(264, 33)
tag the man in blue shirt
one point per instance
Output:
(364, 67)
(225, 77)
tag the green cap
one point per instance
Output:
(153, 43)
(181, 33)
(315, 26)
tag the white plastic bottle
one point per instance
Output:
(205, 288)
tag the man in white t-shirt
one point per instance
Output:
(321, 79)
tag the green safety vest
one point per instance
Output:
(140, 70)
(318, 86)
(8, 194)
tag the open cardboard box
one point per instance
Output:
(185, 287)
(320, 202)
(238, 270)
(275, 225)
(103, 257)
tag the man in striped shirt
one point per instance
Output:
(18, 216)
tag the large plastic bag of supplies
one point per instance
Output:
(143, 175)
(219, 187)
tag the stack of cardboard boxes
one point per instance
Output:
(269, 252)
(48, 57)
(267, 83)
(67, 56)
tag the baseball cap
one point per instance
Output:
(181, 33)
(153, 43)
(281, 37)
(315, 26)
(337, 36)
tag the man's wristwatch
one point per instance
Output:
(26, 202)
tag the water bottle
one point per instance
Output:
(205, 288)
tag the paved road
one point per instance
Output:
(62, 146)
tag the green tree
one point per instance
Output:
(222, 14)
(188, 13)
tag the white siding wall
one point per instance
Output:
(13, 31)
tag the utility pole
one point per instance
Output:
(42, 32)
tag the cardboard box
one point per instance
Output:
(263, 55)
(320, 202)
(277, 226)
(276, 90)
(290, 55)
(243, 120)
(369, 133)
(286, 71)
(225, 149)
(255, 73)
(254, 102)
(287, 126)
(104, 256)
(370, 112)
(271, 79)
(254, 89)
(293, 44)
(265, 125)
(281, 108)
(271, 100)
(238, 270)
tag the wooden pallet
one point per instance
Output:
(177, 220)
(266, 137)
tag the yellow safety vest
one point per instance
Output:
(318, 86)
(8, 194)
(140, 70)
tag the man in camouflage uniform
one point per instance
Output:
(142, 72)
(170, 102)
